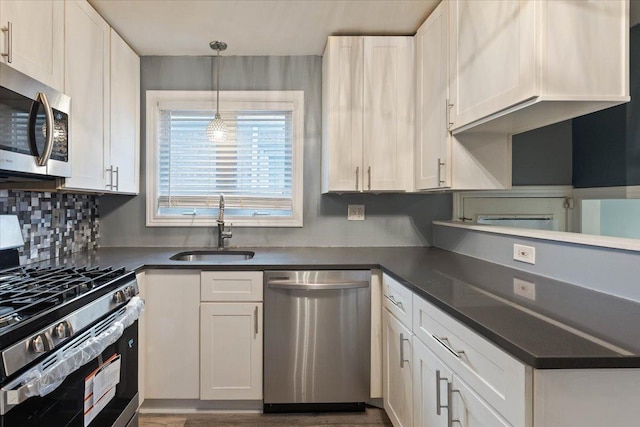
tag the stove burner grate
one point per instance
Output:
(27, 291)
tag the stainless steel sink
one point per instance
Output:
(213, 255)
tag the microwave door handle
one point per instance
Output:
(41, 159)
(48, 111)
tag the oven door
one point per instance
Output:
(102, 392)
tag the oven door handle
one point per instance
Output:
(42, 381)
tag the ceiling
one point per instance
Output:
(255, 27)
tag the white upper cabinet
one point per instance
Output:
(32, 39)
(368, 114)
(87, 83)
(122, 162)
(462, 162)
(433, 140)
(519, 65)
(102, 76)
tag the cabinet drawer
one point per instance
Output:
(497, 377)
(231, 286)
(397, 299)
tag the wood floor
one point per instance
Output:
(372, 417)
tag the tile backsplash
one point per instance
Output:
(53, 224)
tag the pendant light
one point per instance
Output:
(217, 130)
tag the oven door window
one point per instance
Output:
(65, 406)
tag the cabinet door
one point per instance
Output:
(430, 378)
(172, 336)
(124, 152)
(231, 351)
(433, 143)
(87, 83)
(470, 410)
(36, 30)
(492, 57)
(396, 375)
(388, 113)
(342, 68)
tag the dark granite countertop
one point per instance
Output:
(565, 326)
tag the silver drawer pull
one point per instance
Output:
(443, 341)
(394, 302)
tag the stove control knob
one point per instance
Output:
(119, 297)
(38, 344)
(129, 291)
(63, 330)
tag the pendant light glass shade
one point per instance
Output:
(217, 130)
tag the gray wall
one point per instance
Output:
(391, 220)
(543, 156)
(611, 271)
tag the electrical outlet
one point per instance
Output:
(524, 253)
(355, 213)
(524, 288)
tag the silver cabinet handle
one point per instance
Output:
(369, 173)
(116, 172)
(357, 177)
(110, 172)
(9, 30)
(402, 359)
(443, 341)
(441, 182)
(448, 108)
(255, 322)
(293, 284)
(44, 158)
(439, 405)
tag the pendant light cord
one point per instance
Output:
(218, 83)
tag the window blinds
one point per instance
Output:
(253, 168)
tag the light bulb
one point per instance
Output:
(217, 130)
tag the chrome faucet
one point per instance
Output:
(222, 233)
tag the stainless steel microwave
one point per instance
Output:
(34, 127)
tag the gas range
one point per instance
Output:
(43, 308)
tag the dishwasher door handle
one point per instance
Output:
(294, 284)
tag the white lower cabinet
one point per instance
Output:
(172, 335)
(396, 374)
(231, 351)
(231, 335)
(439, 394)
(430, 389)
(468, 409)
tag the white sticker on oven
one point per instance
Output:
(100, 388)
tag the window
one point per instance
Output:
(258, 168)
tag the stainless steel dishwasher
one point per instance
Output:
(317, 340)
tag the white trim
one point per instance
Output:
(206, 100)
(521, 191)
(557, 236)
